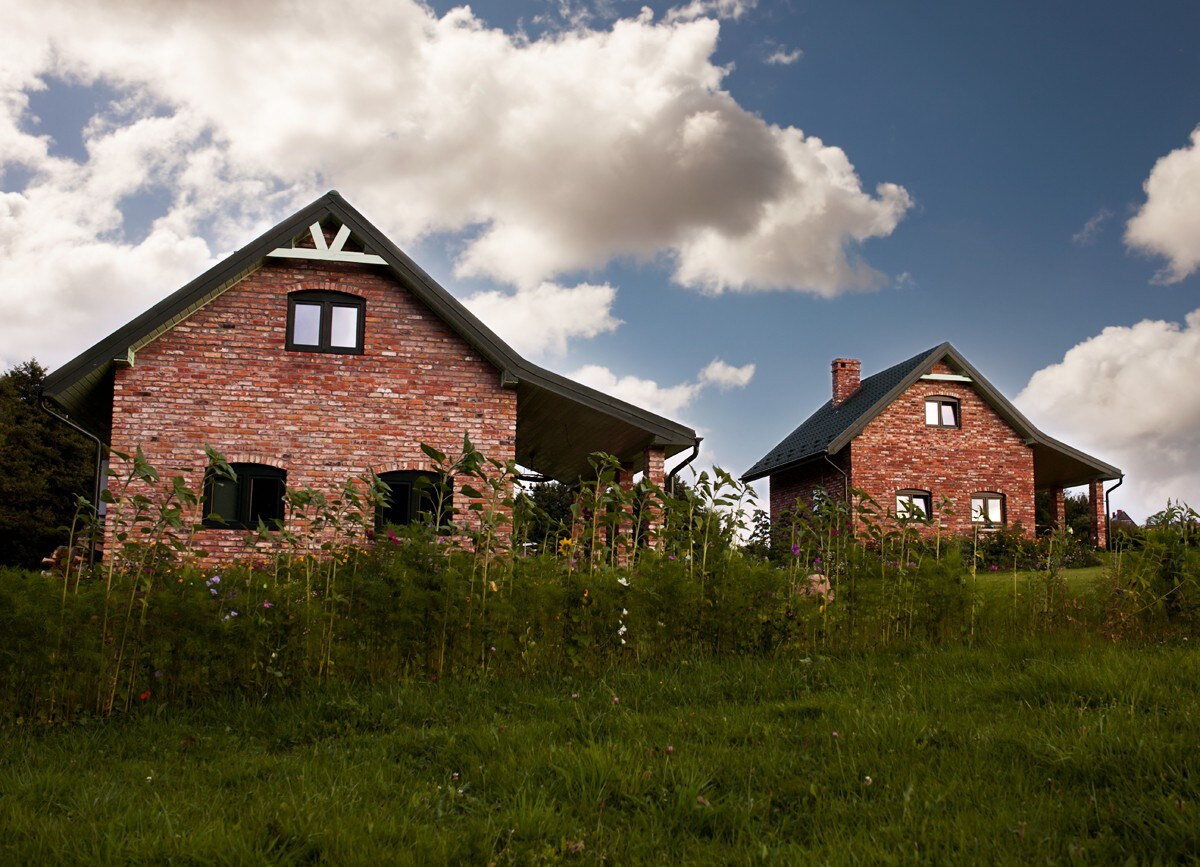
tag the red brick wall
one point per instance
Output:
(798, 484)
(223, 377)
(897, 451)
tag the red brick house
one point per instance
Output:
(320, 352)
(926, 430)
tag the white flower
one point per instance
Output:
(624, 582)
(622, 630)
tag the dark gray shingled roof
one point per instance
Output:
(830, 429)
(559, 421)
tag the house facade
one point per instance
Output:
(930, 439)
(320, 352)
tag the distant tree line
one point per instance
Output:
(44, 466)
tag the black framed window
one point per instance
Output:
(914, 505)
(413, 494)
(987, 509)
(942, 412)
(254, 495)
(326, 322)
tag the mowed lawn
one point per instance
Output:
(1052, 749)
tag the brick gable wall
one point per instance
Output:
(897, 450)
(223, 377)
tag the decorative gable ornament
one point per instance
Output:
(323, 252)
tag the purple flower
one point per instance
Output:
(268, 605)
(795, 550)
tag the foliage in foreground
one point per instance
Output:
(1038, 751)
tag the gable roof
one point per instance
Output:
(831, 428)
(559, 421)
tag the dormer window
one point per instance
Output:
(325, 322)
(942, 412)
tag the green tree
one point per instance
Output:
(43, 466)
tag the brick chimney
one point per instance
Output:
(845, 379)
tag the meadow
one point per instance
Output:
(836, 692)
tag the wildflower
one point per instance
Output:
(795, 550)
(836, 735)
(146, 695)
(624, 582)
(623, 629)
(867, 781)
(158, 674)
(493, 648)
(624, 611)
(574, 846)
(268, 605)
(616, 700)
(574, 696)
(670, 750)
(493, 583)
(229, 615)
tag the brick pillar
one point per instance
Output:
(624, 539)
(654, 472)
(1099, 518)
(1058, 509)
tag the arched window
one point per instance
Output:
(255, 495)
(325, 322)
(914, 505)
(413, 494)
(987, 509)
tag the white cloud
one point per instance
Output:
(780, 56)
(726, 376)
(1129, 397)
(1086, 236)
(1168, 224)
(541, 320)
(711, 8)
(646, 393)
(665, 400)
(552, 155)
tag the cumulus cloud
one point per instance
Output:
(1129, 397)
(1086, 236)
(1168, 224)
(726, 376)
(541, 320)
(664, 400)
(545, 156)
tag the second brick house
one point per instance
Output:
(932, 439)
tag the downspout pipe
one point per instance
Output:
(845, 477)
(1108, 513)
(671, 475)
(98, 470)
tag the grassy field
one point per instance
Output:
(1042, 750)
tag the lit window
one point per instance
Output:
(914, 505)
(254, 496)
(325, 322)
(987, 509)
(941, 412)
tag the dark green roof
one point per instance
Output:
(831, 428)
(559, 421)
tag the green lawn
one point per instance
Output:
(1046, 750)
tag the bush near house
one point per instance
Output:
(425, 602)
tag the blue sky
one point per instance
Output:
(693, 205)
